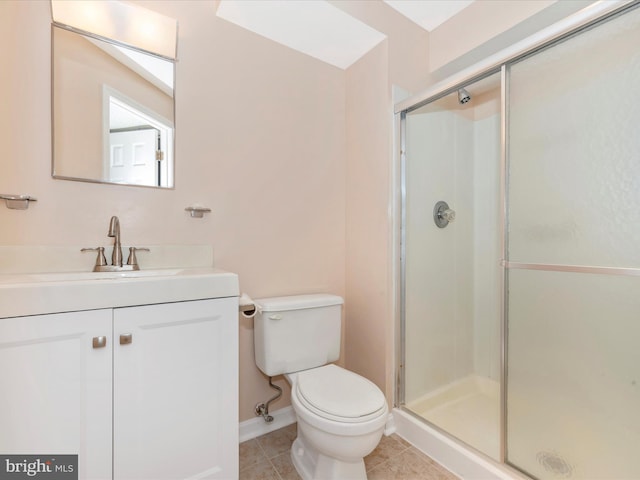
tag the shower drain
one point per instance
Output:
(554, 463)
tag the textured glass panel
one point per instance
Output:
(573, 388)
(574, 185)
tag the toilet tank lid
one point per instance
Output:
(297, 302)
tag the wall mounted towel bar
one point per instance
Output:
(17, 202)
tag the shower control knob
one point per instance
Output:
(449, 215)
(442, 214)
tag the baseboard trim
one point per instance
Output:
(283, 417)
(390, 426)
(256, 427)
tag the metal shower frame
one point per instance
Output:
(499, 63)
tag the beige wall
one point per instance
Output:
(402, 59)
(478, 23)
(368, 269)
(260, 140)
(407, 53)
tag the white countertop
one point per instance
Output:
(29, 295)
(53, 291)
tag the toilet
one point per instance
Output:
(341, 415)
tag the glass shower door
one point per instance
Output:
(452, 276)
(573, 358)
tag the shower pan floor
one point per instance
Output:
(560, 437)
(468, 408)
(550, 438)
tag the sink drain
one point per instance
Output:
(554, 463)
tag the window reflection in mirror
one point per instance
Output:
(113, 113)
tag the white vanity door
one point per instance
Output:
(176, 390)
(56, 388)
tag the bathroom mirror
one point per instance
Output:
(113, 111)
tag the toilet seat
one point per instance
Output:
(337, 394)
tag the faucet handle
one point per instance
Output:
(133, 260)
(100, 259)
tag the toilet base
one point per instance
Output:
(312, 465)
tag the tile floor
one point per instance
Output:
(267, 458)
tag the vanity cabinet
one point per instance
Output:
(56, 388)
(175, 400)
(158, 382)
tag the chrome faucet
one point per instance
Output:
(114, 231)
(116, 256)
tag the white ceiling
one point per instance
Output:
(325, 32)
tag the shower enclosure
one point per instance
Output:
(520, 298)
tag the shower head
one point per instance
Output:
(463, 96)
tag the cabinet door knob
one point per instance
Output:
(126, 338)
(99, 342)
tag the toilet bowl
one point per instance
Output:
(341, 415)
(341, 418)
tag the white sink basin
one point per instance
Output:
(40, 293)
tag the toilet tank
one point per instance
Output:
(297, 332)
